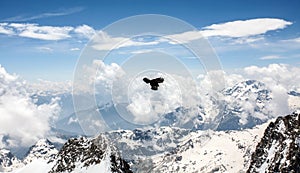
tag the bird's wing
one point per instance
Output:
(146, 80)
(159, 80)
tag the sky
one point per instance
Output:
(44, 40)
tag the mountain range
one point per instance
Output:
(246, 138)
(270, 147)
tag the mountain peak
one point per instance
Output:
(43, 148)
(243, 89)
(8, 161)
(82, 153)
(279, 148)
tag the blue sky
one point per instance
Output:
(53, 56)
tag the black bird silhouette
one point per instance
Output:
(154, 82)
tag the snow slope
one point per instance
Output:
(225, 151)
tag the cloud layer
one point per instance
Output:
(146, 106)
(22, 121)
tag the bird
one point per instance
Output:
(154, 82)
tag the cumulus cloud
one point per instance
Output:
(105, 74)
(110, 83)
(147, 105)
(85, 31)
(280, 79)
(22, 121)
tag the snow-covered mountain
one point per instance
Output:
(140, 144)
(77, 155)
(245, 105)
(170, 145)
(43, 149)
(167, 149)
(216, 151)
(40, 152)
(8, 161)
(279, 148)
(82, 154)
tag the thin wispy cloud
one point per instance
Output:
(64, 12)
(270, 57)
(45, 49)
(295, 40)
(74, 49)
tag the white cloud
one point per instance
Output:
(21, 120)
(270, 57)
(185, 37)
(147, 105)
(106, 74)
(240, 31)
(44, 32)
(64, 12)
(36, 31)
(141, 51)
(280, 79)
(252, 39)
(74, 49)
(5, 30)
(98, 77)
(245, 28)
(85, 31)
(104, 41)
(295, 40)
(44, 87)
(45, 49)
(275, 74)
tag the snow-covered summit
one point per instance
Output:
(43, 149)
(8, 161)
(79, 154)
